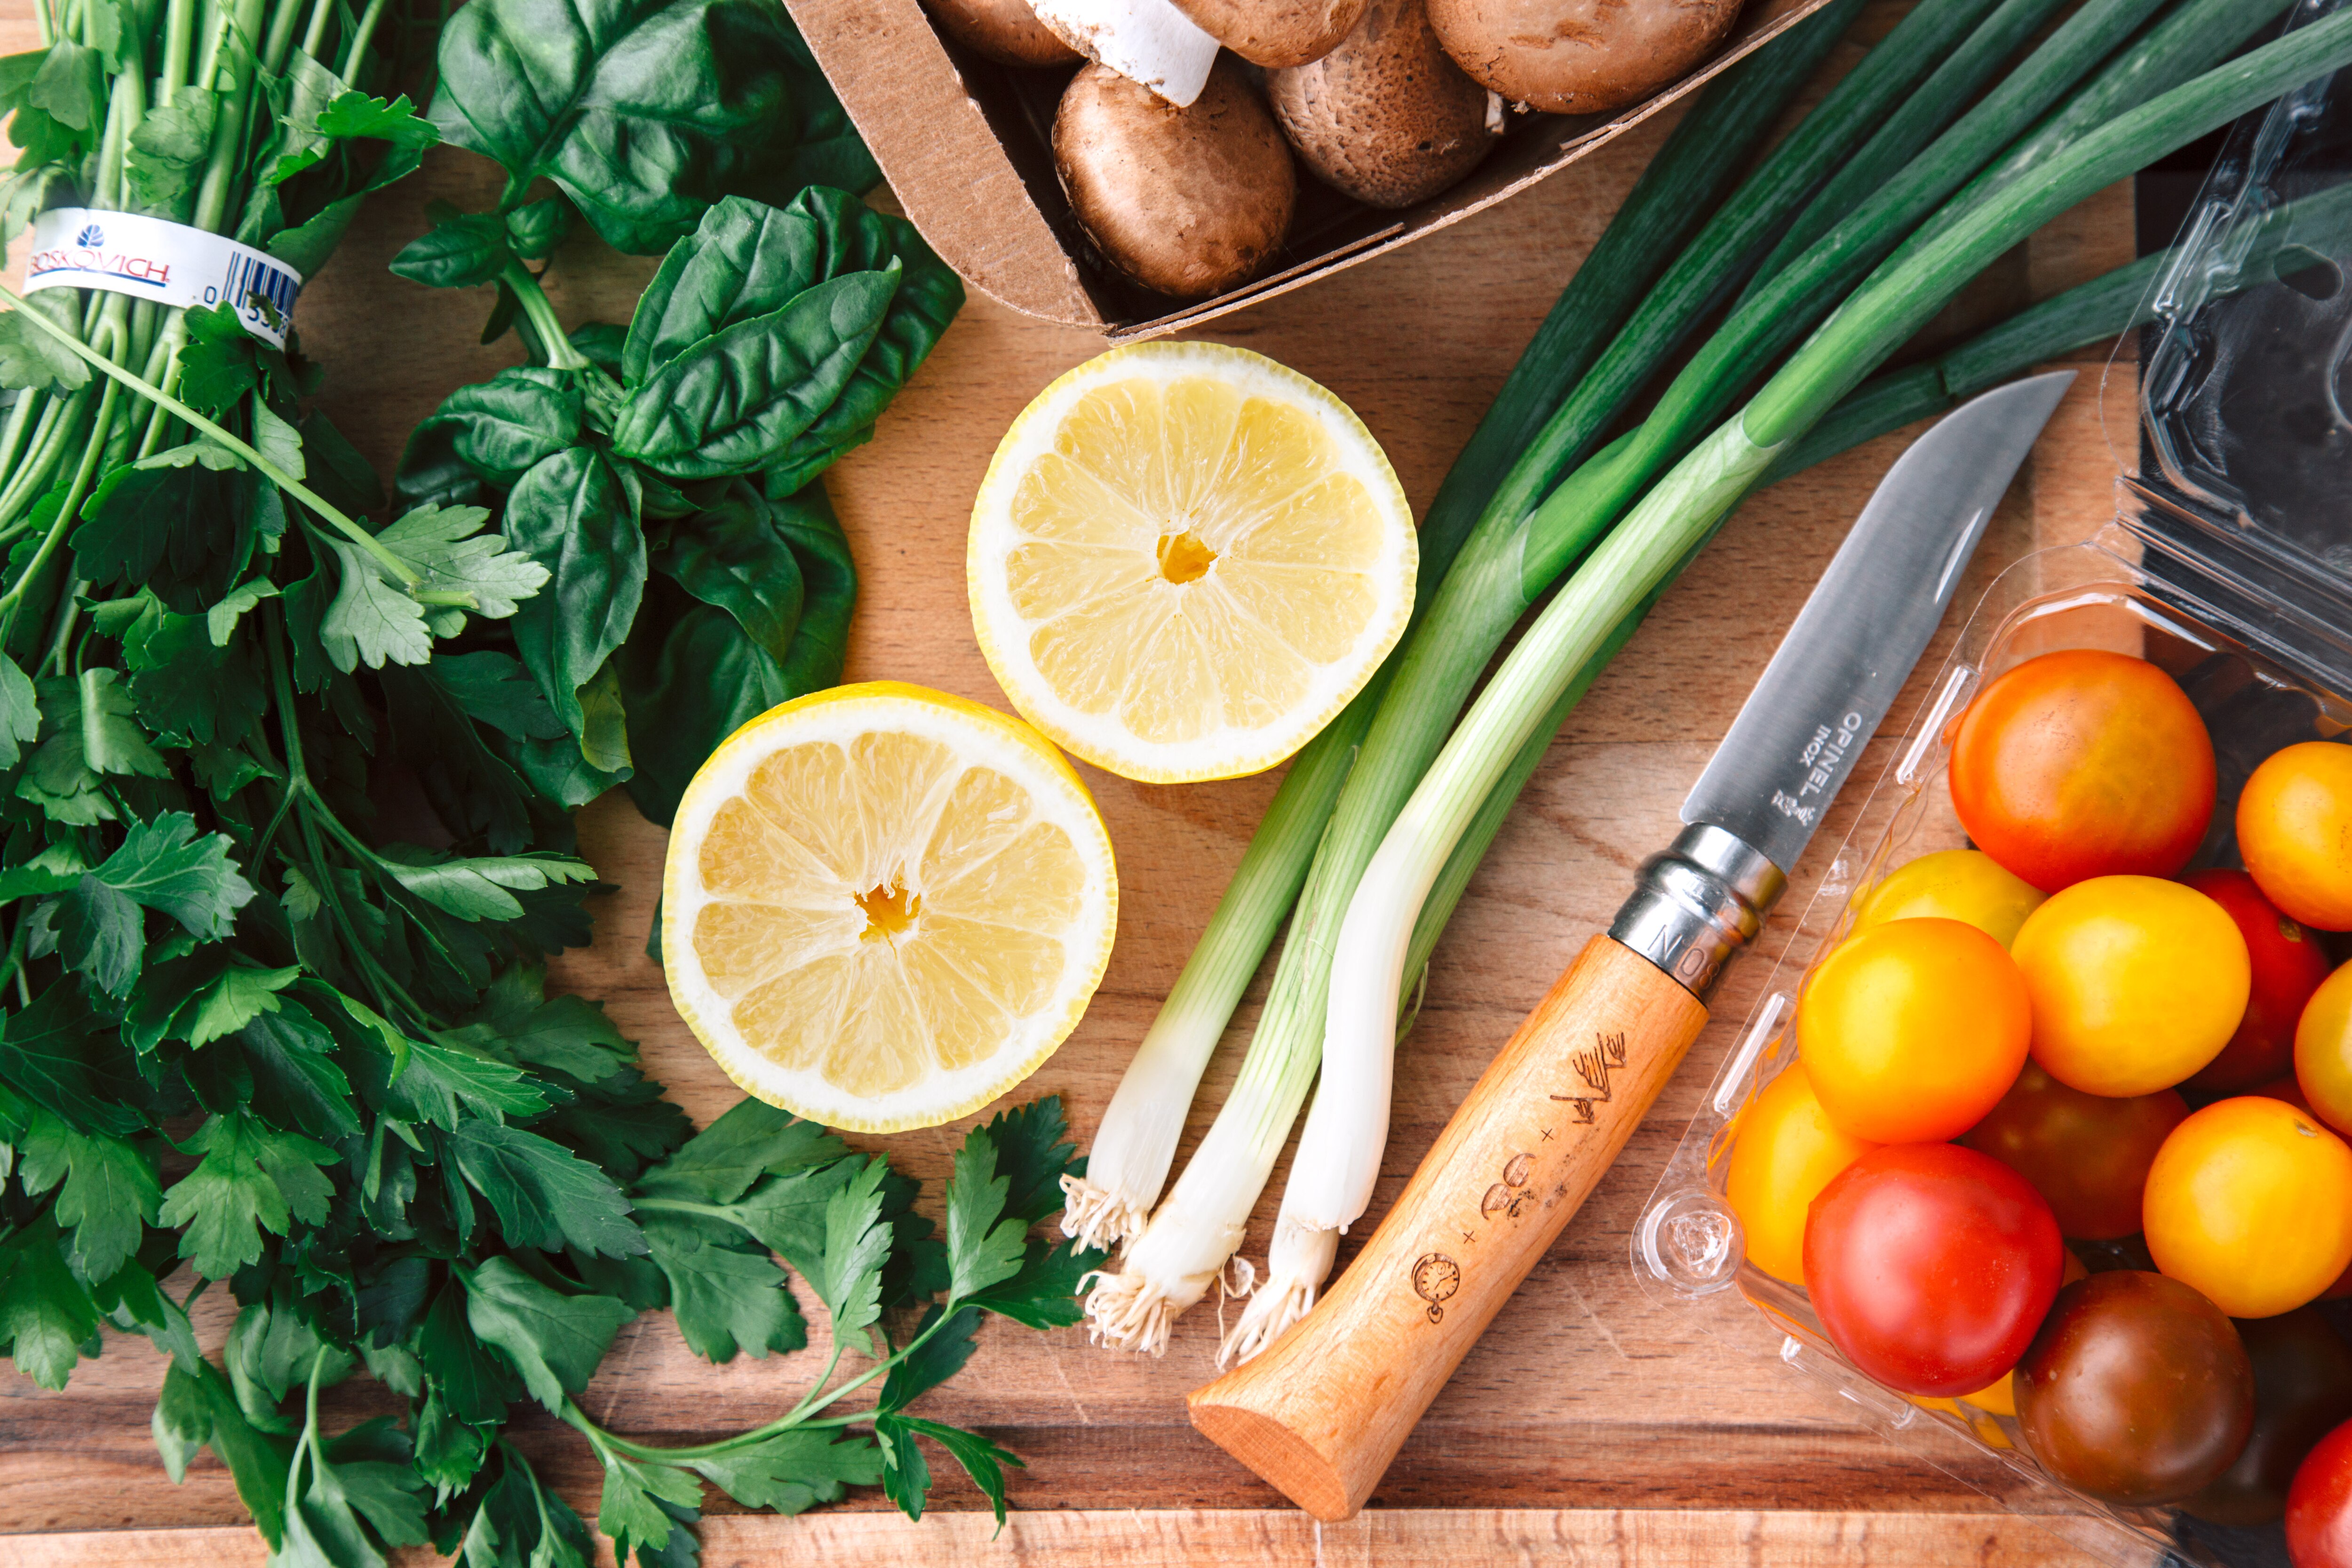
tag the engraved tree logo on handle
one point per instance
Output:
(1593, 1066)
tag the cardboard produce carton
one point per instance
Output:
(966, 145)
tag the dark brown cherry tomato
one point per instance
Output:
(2081, 764)
(2088, 1154)
(2302, 1390)
(1929, 1265)
(2137, 1390)
(2289, 963)
(2319, 1505)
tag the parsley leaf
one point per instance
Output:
(753, 1139)
(794, 1471)
(849, 1276)
(165, 867)
(440, 1079)
(543, 1194)
(554, 1339)
(251, 1178)
(632, 1509)
(477, 890)
(445, 546)
(109, 1193)
(724, 1296)
(372, 621)
(982, 1460)
(46, 1316)
(982, 1248)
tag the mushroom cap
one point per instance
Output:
(1387, 117)
(1579, 57)
(1189, 202)
(1275, 33)
(1006, 31)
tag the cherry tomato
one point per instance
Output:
(1966, 884)
(2323, 1050)
(1929, 1266)
(2136, 1390)
(2081, 764)
(2303, 1388)
(2086, 1153)
(2288, 965)
(2249, 1202)
(2319, 1505)
(2136, 983)
(1787, 1152)
(1913, 1030)
(2295, 828)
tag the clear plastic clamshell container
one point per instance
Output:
(2229, 564)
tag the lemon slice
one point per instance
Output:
(884, 906)
(1185, 559)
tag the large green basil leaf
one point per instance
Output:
(734, 401)
(642, 111)
(576, 513)
(746, 259)
(747, 606)
(495, 432)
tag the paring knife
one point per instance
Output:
(1322, 1412)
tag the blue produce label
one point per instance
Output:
(154, 258)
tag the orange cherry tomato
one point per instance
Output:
(2323, 1050)
(2088, 1154)
(2081, 764)
(2250, 1203)
(2288, 965)
(1953, 884)
(2137, 983)
(1912, 1030)
(2295, 829)
(1785, 1153)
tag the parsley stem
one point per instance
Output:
(803, 1414)
(393, 565)
(67, 511)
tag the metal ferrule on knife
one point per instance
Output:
(1697, 903)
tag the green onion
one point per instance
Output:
(1681, 513)
(1136, 1142)
(1514, 555)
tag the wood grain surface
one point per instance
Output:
(1587, 1395)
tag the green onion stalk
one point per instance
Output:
(1137, 1140)
(1202, 1223)
(1512, 560)
(231, 116)
(1679, 514)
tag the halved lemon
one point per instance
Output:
(1185, 559)
(885, 906)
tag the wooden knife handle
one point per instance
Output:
(1322, 1412)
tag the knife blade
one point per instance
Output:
(1869, 618)
(1322, 1412)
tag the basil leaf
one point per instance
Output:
(644, 112)
(576, 514)
(733, 403)
(459, 252)
(496, 432)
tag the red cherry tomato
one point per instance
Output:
(2289, 964)
(2319, 1505)
(1931, 1266)
(2086, 1153)
(2081, 764)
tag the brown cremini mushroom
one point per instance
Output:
(1006, 31)
(1387, 117)
(1189, 202)
(1579, 57)
(1275, 33)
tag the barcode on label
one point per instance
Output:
(250, 275)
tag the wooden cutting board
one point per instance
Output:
(1594, 1423)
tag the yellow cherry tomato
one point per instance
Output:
(1913, 1030)
(2250, 1203)
(2295, 829)
(1953, 884)
(2323, 1050)
(1785, 1153)
(2137, 983)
